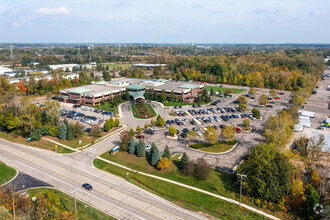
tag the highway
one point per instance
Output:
(111, 194)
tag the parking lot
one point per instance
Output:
(227, 161)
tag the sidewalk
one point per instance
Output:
(55, 142)
(193, 188)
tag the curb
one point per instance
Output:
(228, 151)
(17, 172)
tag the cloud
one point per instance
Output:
(319, 12)
(52, 11)
(15, 24)
(138, 19)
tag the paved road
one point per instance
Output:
(111, 194)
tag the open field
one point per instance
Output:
(6, 173)
(118, 66)
(184, 197)
(43, 144)
(223, 89)
(85, 212)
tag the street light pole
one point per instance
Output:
(241, 176)
(75, 203)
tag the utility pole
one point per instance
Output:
(75, 203)
(241, 176)
(11, 56)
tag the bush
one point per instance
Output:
(117, 122)
(163, 163)
(232, 142)
(53, 131)
(131, 132)
(138, 129)
(256, 113)
(36, 134)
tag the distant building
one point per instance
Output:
(4, 69)
(94, 94)
(148, 66)
(69, 67)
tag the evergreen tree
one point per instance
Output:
(155, 96)
(132, 146)
(65, 121)
(172, 96)
(155, 154)
(167, 153)
(127, 95)
(62, 132)
(69, 133)
(184, 160)
(147, 95)
(106, 126)
(111, 122)
(141, 149)
(160, 120)
(117, 122)
(212, 93)
(163, 96)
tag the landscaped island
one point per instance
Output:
(143, 110)
(219, 147)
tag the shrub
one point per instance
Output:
(256, 113)
(117, 122)
(138, 129)
(131, 132)
(53, 131)
(36, 134)
(172, 130)
(163, 163)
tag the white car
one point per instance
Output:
(154, 129)
(148, 147)
(199, 133)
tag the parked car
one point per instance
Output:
(149, 132)
(87, 186)
(277, 97)
(154, 129)
(148, 147)
(184, 135)
(140, 136)
(185, 130)
(238, 130)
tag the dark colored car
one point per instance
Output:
(149, 132)
(140, 136)
(184, 135)
(87, 186)
(185, 130)
(76, 106)
(222, 126)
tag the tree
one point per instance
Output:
(163, 163)
(246, 123)
(227, 92)
(95, 131)
(273, 93)
(138, 129)
(202, 169)
(53, 131)
(153, 122)
(131, 132)
(184, 160)
(52, 112)
(11, 121)
(242, 106)
(21, 87)
(211, 135)
(227, 133)
(106, 75)
(125, 139)
(69, 135)
(141, 149)
(62, 132)
(155, 96)
(313, 154)
(163, 96)
(132, 146)
(252, 91)
(263, 100)
(106, 126)
(211, 92)
(146, 126)
(160, 121)
(167, 153)
(312, 198)
(256, 113)
(155, 154)
(117, 122)
(172, 96)
(192, 135)
(78, 130)
(172, 130)
(127, 95)
(37, 134)
(268, 172)
(242, 99)
(111, 122)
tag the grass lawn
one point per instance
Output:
(108, 107)
(143, 110)
(6, 173)
(184, 197)
(118, 66)
(43, 144)
(176, 157)
(85, 212)
(172, 114)
(214, 148)
(223, 89)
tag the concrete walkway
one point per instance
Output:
(55, 142)
(193, 188)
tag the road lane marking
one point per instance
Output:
(91, 181)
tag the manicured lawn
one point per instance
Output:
(170, 103)
(118, 66)
(108, 107)
(219, 182)
(213, 148)
(184, 197)
(43, 144)
(6, 173)
(85, 212)
(176, 157)
(223, 89)
(143, 110)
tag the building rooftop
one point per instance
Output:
(80, 90)
(189, 86)
(135, 87)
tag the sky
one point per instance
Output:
(165, 21)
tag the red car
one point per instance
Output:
(140, 136)
(277, 98)
(238, 130)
